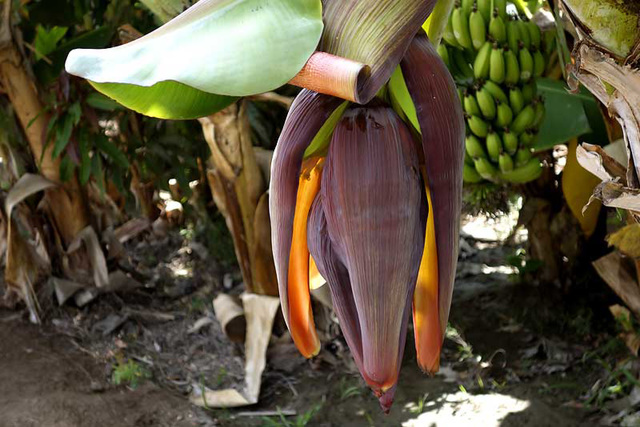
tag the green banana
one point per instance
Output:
(529, 92)
(467, 6)
(538, 63)
(512, 68)
(497, 28)
(473, 147)
(495, 90)
(471, 105)
(448, 35)
(501, 5)
(486, 169)
(513, 36)
(525, 139)
(484, 7)
(510, 142)
(478, 126)
(444, 54)
(540, 111)
(504, 115)
(470, 175)
(487, 104)
(461, 63)
(496, 64)
(468, 160)
(523, 120)
(483, 61)
(505, 162)
(523, 156)
(460, 25)
(523, 174)
(534, 34)
(524, 34)
(477, 29)
(494, 146)
(526, 64)
(516, 99)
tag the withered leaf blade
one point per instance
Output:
(442, 125)
(372, 199)
(384, 28)
(307, 115)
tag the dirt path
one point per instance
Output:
(512, 358)
(47, 382)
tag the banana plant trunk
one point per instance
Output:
(606, 60)
(240, 193)
(67, 205)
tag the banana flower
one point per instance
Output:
(378, 212)
(369, 193)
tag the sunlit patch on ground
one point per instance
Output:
(463, 409)
(485, 228)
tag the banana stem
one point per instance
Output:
(522, 8)
(437, 21)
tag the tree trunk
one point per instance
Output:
(66, 202)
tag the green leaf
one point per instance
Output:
(401, 98)
(67, 167)
(97, 172)
(46, 73)
(102, 102)
(565, 116)
(63, 134)
(166, 100)
(109, 148)
(75, 111)
(165, 10)
(85, 159)
(47, 40)
(320, 142)
(224, 47)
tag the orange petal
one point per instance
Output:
(303, 329)
(426, 323)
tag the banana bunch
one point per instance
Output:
(495, 58)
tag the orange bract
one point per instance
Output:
(426, 322)
(303, 329)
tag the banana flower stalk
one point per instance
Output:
(378, 213)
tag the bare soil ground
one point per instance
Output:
(516, 355)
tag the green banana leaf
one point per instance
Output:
(217, 47)
(47, 72)
(166, 100)
(566, 115)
